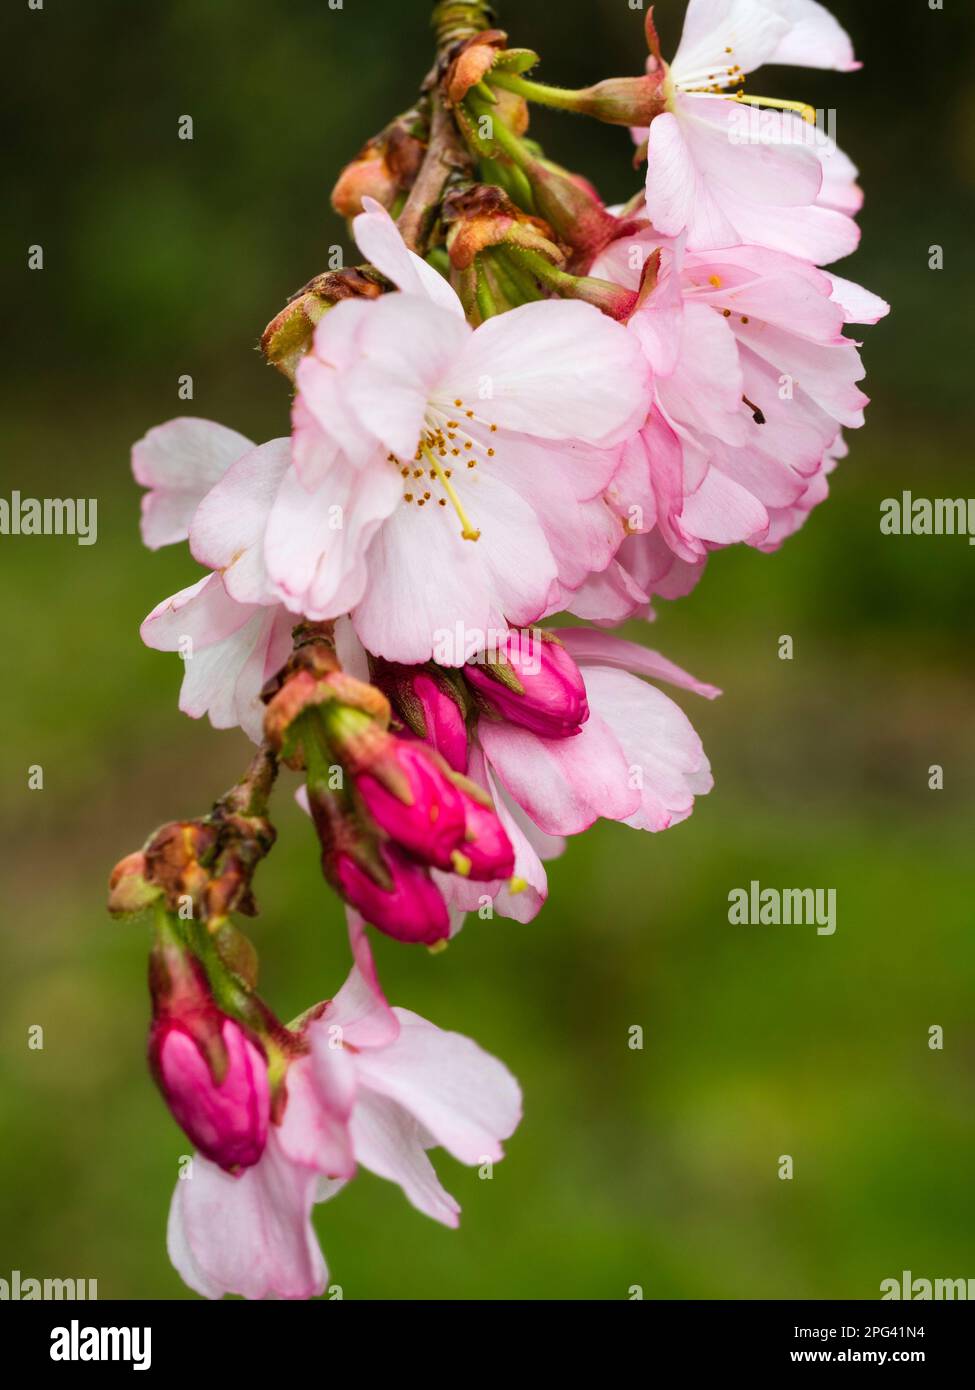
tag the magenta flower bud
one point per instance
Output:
(226, 1119)
(211, 1074)
(534, 683)
(446, 727)
(487, 848)
(410, 797)
(430, 706)
(411, 910)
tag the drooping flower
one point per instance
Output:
(726, 173)
(377, 1087)
(753, 382)
(466, 467)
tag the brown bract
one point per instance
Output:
(483, 215)
(470, 62)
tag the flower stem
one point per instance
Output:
(445, 154)
(562, 98)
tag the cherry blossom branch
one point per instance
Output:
(446, 155)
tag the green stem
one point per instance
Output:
(485, 299)
(562, 98)
(542, 269)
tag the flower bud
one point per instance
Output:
(430, 704)
(211, 1074)
(409, 907)
(571, 207)
(129, 891)
(384, 169)
(411, 799)
(289, 334)
(482, 216)
(535, 684)
(487, 848)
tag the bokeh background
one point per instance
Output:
(657, 1167)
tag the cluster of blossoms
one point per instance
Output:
(522, 404)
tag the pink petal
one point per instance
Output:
(180, 461)
(814, 38)
(555, 369)
(316, 543)
(593, 648)
(228, 529)
(388, 1141)
(657, 741)
(426, 583)
(249, 1235)
(379, 240)
(563, 784)
(750, 29)
(466, 1100)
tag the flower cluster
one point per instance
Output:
(523, 403)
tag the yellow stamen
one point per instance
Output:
(807, 112)
(517, 885)
(438, 947)
(461, 863)
(468, 532)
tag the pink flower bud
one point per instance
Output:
(487, 847)
(226, 1119)
(413, 801)
(429, 705)
(535, 683)
(212, 1076)
(411, 910)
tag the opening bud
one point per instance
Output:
(535, 683)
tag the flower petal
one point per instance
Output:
(555, 369)
(180, 461)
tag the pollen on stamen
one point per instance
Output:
(715, 280)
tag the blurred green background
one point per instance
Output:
(656, 1167)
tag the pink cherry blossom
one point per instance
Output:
(377, 1087)
(753, 382)
(467, 466)
(725, 173)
